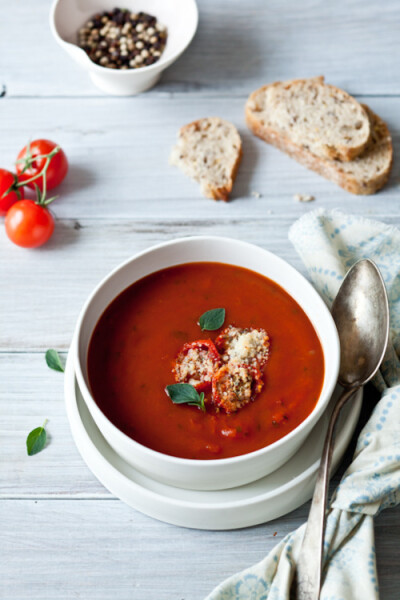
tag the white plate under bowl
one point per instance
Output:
(258, 502)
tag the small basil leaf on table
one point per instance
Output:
(36, 440)
(53, 361)
(184, 393)
(212, 319)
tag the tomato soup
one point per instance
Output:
(139, 335)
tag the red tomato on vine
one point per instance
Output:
(9, 191)
(29, 224)
(32, 160)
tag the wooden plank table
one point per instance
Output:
(62, 534)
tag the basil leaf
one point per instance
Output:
(202, 405)
(36, 440)
(212, 319)
(184, 393)
(54, 361)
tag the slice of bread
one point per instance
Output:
(315, 116)
(365, 174)
(369, 172)
(209, 150)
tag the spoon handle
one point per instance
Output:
(309, 567)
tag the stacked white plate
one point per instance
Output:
(258, 502)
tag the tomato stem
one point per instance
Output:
(41, 196)
(49, 201)
(44, 184)
(28, 160)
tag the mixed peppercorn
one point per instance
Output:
(121, 39)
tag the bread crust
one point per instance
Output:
(339, 152)
(329, 168)
(217, 193)
(222, 193)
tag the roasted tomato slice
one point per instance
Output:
(235, 385)
(196, 364)
(244, 346)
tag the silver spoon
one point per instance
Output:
(361, 314)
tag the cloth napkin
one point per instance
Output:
(329, 243)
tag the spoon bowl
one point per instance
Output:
(361, 314)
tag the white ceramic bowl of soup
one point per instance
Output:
(180, 17)
(220, 473)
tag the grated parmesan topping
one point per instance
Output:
(233, 387)
(241, 381)
(194, 366)
(248, 346)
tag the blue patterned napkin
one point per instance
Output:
(329, 243)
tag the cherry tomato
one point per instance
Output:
(29, 224)
(9, 194)
(56, 171)
(196, 363)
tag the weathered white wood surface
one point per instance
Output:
(354, 43)
(102, 550)
(119, 148)
(62, 534)
(111, 207)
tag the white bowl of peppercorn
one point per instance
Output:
(124, 49)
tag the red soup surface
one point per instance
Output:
(137, 338)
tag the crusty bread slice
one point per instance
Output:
(209, 150)
(313, 115)
(369, 172)
(365, 174)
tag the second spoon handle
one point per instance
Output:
(309, 567)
